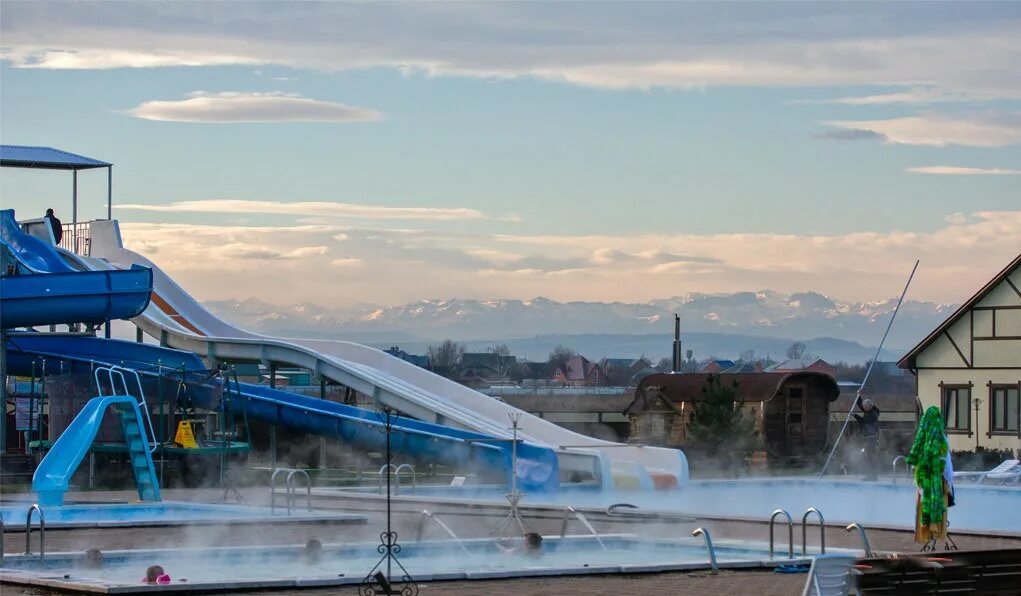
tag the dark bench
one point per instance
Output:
(994, 572)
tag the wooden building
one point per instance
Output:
(970, 366)
(791, 410)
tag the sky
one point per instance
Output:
(344, 153)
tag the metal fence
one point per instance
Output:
(77, 238)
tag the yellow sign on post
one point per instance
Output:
(185, 436)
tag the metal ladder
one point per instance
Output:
(290, 495)
(28, 531)
(113, 373)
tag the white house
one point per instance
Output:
(970, 366)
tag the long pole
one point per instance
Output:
(868, 371)
(74, 211)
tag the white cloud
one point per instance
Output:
(395, 267)
(912, 96)
(229, 107)
(990, 129)
(311, 208)
(964, 171)
(610, 45)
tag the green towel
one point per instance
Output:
(928, 455)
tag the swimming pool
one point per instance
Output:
(253, 567)
(979, 509)
(166, 513)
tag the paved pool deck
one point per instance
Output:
(475, 522)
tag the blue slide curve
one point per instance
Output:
(34, 253)
(537, 468)
(79, 297)
(55, 470)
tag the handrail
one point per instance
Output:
(630, 510)
(804, 531)
(414, 481)
(273, 490)
(790, 533)
(386, 468)
(709, 547)
(907, 467)
(420, 529)
(42, 531)
(111, 370)
(291, 498)
(864, 537)
(568, 512)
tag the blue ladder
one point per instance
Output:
(138, 451)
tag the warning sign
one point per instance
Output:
(22, 406)
(185, 436)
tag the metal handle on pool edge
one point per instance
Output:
(864, 537)
(804, 531)
(790, 532)
(709, 546)
(42, 531)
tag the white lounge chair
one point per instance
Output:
(1008, 469)
(830, 575)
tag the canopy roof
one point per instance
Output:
(24, 156)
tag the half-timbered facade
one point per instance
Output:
(970, 366)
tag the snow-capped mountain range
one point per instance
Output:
(765, 314)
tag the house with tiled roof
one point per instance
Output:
(577, 371)
(970, 366)
(809, 363)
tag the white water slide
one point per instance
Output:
(180, 321)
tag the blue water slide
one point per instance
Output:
(52, 476)
(78, 297)
(537, 468)
(34, 253)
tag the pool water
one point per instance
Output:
(474, 558)
(163, 513)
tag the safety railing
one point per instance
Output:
(790, 533)
(414, 479)
(420, 529)
(709, 546)
(117, 372)
(571, 511)
(35, 508)
(907, 468)
(804, 531)
(864, 538)
(627, 510)
(77, 238)
(273, 489)
(292, 491)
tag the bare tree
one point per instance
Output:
(748, 356)
(797, 350)
(445, 357)
(502, 350)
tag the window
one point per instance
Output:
(956, 408)
(1004, 408)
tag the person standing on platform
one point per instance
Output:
(58, 228)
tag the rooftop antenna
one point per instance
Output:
(857, 396)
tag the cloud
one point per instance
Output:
(606, 45)
(913, 96)
(963, 171)
(231, 107)
(400, 266)
(311, 208)
(851, 134)
(991, 129)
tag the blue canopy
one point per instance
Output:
(24, 156)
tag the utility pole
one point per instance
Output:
(677, 343)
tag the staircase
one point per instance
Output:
(138, 452)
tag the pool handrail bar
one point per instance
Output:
(864, 537)
(420, 529)
(634, 511)
(273, 489)
(709, 546)
(291, 490)
(804, 531)
(790, 532)
(907, 467)
(119, 371)
(42, 531)
(414, 480)
(568, 512)
(385, 469)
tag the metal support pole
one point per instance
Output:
(92, 468)
(138, 334)
(42, 403)
(109, 192)
(273, 427)
(3, 391)
(74, 211)
(322, 439)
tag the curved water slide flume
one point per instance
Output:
(182, 322)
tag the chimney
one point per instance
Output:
(677, 343)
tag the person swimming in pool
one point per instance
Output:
(313, 552)
(93, 559)
(156, 575)
(530, 545)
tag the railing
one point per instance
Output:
(804, 531)
(568, 512)
(77, 238)
(907, 468)
(414, 479)
(709, 547)
(790, 533)
(864, 538)
(632, 511)
(420, 530)
(273, 489)
(117, 372)
(385, 469)
(42, 531)
(291, 492)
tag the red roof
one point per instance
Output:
(750, 386)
